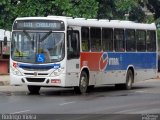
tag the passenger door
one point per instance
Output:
(73, 56)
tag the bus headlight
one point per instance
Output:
(15, 71)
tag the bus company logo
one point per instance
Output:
(35, 74)
(103, 62)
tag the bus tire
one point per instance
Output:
(34, 89)
(83, 84)
(129, 81)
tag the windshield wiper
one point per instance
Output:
(45, 36)
(26, 33)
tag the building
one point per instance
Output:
(4, 51)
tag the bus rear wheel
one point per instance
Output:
(83, 84)
(34, 89)
(129, 81)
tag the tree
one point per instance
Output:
(136, 14)
(11, 9)
(84, 8)
(106, 9)
(100, 9)
(132, 8)
(5, 15)
(121, 9)
(154, 7)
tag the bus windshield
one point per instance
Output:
(37, 47)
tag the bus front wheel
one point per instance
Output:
(34, 89)
(83, 84)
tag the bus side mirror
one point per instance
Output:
(5, 40)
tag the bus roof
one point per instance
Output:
(96, 23)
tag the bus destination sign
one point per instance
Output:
(38, 25)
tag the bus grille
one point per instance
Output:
(31, 69)
(35, 79)
(37, 74)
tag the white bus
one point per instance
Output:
(81, 53)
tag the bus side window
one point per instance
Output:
(73, 48)
(107, 39)
(95, 35)
(151, 41)
(119, 43)
(85, 39)
(141, 40)
(130, 40)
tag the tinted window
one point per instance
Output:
(73, 48)
(95, 34)
(107, 39)
(151, 41)
(130, 40)
(141, 40)
(119, 40)
(85, 39)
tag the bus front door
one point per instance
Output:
(73, 57)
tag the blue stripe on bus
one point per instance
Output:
(138, 60)
(31, 66)
(116, 61)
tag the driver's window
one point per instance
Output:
(73, 49)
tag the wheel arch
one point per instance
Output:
(86, 69)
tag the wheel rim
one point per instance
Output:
(129, 82)
(83, 81)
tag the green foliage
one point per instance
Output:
(100, 9)
(126, 5)
(6, 17)
(136, 14)
(131, 9)
(154, 7)
(84, 8)
(106, 9)
(121, 9)
(11, 9)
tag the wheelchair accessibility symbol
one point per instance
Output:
(40, 58)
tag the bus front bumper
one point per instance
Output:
(58, 81)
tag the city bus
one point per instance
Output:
(59, 51)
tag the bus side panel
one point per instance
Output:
(144, 65)
(72, 72)
(90, 60)
(111, 68)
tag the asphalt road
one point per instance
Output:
(103, 102)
